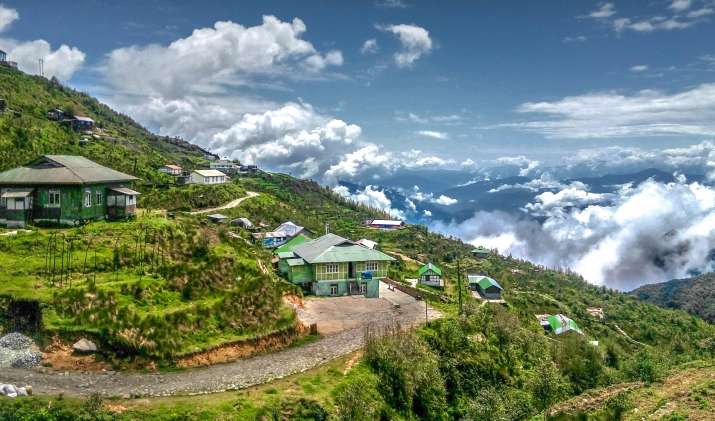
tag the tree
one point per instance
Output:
(547, 385)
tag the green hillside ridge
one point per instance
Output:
(694, 295)
(26, 132)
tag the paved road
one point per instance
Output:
(229, 205)
(240, 374)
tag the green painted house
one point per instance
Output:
(332, 265)
(430, 274)
(64, 190)
(480, 252)
(487, 287)
(292, 243)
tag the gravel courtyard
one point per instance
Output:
(341, 320)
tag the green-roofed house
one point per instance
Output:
(64, 190)
(558, 324)
(332, 266)
(487, 287)
(480, 252)
(430, 274)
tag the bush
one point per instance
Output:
(358, 398)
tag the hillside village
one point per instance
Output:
(120, 267)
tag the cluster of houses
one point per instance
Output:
(78, 123)
(219, 172)
(64, 190)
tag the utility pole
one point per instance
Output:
(424, 298)
(41, 62)
(459, 282)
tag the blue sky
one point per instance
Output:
(475, 87)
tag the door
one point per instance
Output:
(351, 270)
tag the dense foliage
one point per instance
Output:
(694, 295)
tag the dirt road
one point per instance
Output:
(393, 306)
(229, 205)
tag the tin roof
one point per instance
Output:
(289, 228)
(386, 222)
(17, 193)
(124, 190)
(62, 170)
(332, 248)
(428, 267)
(83, 118)
(292, 243)
(210, 173)
(484, 282)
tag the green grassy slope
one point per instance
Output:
(25, 131)
(694, 295)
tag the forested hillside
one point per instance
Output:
(118, 141)
(694, 295)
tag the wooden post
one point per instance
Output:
(459, 282)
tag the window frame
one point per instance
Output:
(372, 266)
(99, 197)
(87, 198)
(332, 268)
(54, 198)
(334, 290)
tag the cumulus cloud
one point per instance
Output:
(415, 42)
(7, 17)
(680, 5)
(418, 195)
(293, 138)
(648, 233)
(433, 134)
(370, 196)
(544, 182)
(61, 63)
(210, 58)
(370, 46)
(524, 165)
(614, 115)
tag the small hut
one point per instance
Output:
(488, 288)
(431, 275)
(480, 252)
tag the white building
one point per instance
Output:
(207, 177)
(171, 169)
(224, 165)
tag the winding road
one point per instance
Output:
(229, 205)
(394, 307)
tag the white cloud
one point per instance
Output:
(61, 63)
(578, 38)
(524, 165)
(606, 10)
(372, 197)
(7, 17)
(674, 18)
(680, 5)
(415, 41)
(614, 115)
(391, 4)
(433, 134)
(445, 119)
(211, 58)
(639, 68)
(420, 196)
(370, 46)
(293, 138)
(649, 233)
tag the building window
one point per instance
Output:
(99, 196)
(53, 198)
(88, 198)
(334, 289)
(371, 266)
(363, 288)
(131, 200)
(331, 268)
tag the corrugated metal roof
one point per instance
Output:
(334, 248)
(483, 281)
(63, 170)
(289, 228)
(210, 173)
(124, 190)
(428, 267)
(83, 118)
(295, 262)
(367, 243)
(294, 242)
(386, 222)
(17, 193)
(285, 255)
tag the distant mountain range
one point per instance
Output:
(694, 295)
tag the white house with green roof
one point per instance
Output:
(332, 266)
(431, 275)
